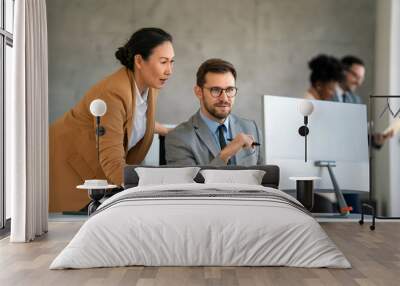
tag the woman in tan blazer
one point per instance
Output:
(130, 94)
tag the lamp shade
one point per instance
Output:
(306, 107)
(98, 107)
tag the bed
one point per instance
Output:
(201, 223)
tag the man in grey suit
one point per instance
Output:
(354, 73)
(214, 136)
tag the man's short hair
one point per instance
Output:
(348, 61)
(213, 66)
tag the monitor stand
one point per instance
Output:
(344, 209)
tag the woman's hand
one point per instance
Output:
(161, 129)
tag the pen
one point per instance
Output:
(254, 143)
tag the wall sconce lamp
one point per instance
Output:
(98, 108)
(305, 108)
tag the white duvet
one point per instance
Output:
(183, 231)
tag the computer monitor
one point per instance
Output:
(338, 132)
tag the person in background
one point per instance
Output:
(130, 94)
(354, 74)
(213, 135)
(326, 73)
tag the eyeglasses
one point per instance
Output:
(216, 91)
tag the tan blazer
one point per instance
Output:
(73, 155)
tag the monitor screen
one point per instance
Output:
(337, 132)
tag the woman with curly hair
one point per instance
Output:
(326, 73)
(130, 94)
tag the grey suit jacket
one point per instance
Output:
(191, 143)
(350, 97)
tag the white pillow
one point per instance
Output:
(162, 176)
(248, 177)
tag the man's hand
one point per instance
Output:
(241, 140)
(381, 138)
(244, 140)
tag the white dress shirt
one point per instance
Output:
(140, 119)
(339, 93)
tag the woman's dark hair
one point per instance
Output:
(142, 42)
(213, 66)
(325, 68)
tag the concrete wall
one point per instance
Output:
(269, 41)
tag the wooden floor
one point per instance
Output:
(375, 257)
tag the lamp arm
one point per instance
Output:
(100, 131)
(305, 150)
(305, 138)
(303, 131)
(98, 138)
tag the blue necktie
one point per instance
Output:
(221, 137)
(344, 96)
